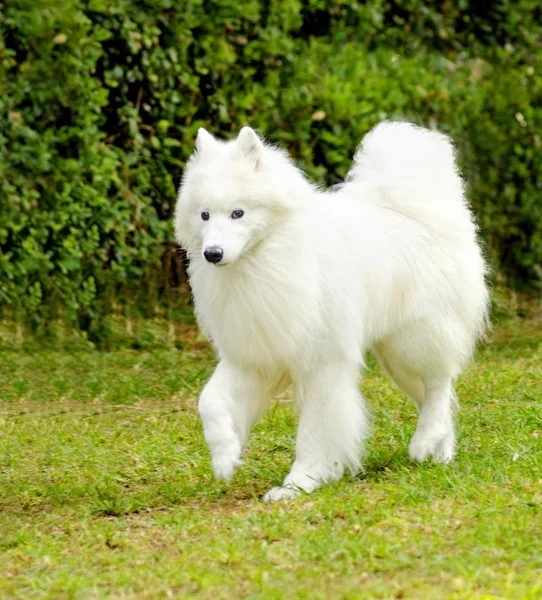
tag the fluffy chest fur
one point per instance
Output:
(258, 313)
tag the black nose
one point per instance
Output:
(213, 254)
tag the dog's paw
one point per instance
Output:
(419, 449)
(281, 493)
(225, 466)
(440, 448)
(445, 450)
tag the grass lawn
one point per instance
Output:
(106, 489)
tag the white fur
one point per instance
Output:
(311, 280)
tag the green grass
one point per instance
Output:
(106, 489)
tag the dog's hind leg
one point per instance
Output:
(409, 383)
(427, 377)
(332, 428)
(230, 403)
(435, 434)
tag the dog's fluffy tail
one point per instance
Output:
(414, 172)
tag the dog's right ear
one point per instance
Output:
(204, 140)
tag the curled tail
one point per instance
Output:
(414, 172)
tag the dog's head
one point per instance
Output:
(228, 200)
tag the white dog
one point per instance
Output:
(294, 284)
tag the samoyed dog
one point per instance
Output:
(293, 285)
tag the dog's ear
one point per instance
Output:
(250, 146)
(204, 140)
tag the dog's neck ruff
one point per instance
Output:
(259, 311)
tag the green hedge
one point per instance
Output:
(100, 101)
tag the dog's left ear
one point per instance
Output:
(250, 146)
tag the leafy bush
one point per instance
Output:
(100, 102)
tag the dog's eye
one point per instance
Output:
(205, 216)
(237, 214)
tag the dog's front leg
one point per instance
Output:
(332, 427)
(228, 406)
